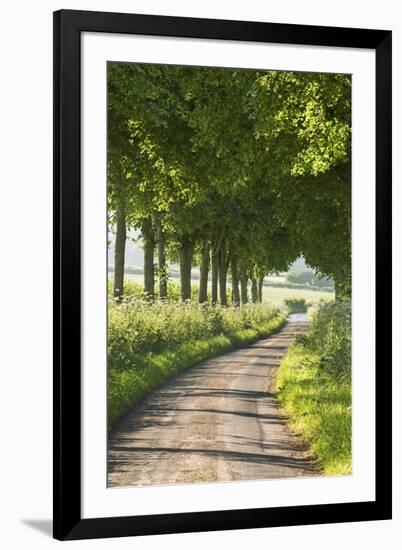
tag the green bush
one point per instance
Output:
(132, 289)
(314, 386)
(136, 327)
(323, 282)
(330, 336)
(147, 343)
(300, 277)
(136, 290)
(296, 305)
(309, 279)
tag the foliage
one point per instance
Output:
(296, 305)
(314, 386)
(239, 172)
(254, 163)
(148, 343)
(300, 277)
(324, 283)
(135, 327)
(309, 279)
(133, 289)
(331, 337)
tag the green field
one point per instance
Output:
(277, 295)
(274, 295)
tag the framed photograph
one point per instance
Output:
(222, 274)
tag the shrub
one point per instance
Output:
(309, 279)
(136, 327)
(300, 277)
(136, 290)
(314, 386)
(296, 305)
(323, 282)
(330, 337)
(147, 343)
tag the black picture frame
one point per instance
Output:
(68, 26)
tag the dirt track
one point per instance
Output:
(218, 421)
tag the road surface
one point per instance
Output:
(217, 421)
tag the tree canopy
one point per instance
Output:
(238, 171)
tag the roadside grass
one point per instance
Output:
(314, 387)
(148, 344)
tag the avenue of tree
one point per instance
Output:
(235, 171)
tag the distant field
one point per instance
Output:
(275, 279)
(275, 295)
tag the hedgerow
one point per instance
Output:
(314, 387)
(148, 343)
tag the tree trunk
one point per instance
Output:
(119, 250)
(185, 253)
(215, 270)
(254, 290)
(260, 285)
(243, 286)
(204, 270)
(235, 283)
(149, 246)
(215, 259)
(342, 289)
(222, 276)
(162, 270)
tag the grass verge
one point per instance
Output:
(316, 394)
(126, 387)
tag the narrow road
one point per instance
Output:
(217, 421)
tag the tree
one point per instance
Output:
(307, 128)
(231, 169)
